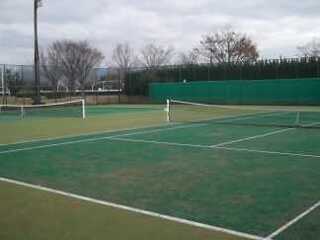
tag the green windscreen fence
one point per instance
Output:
(263, 92)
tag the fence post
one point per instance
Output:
(318, 67)
(2, 84)
(119, 84)
(4, 100)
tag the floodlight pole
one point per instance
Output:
(37, 98)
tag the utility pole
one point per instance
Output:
(37, 97)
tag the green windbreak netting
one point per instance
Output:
(260, 92)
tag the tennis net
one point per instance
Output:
(74, 109)
(304, 117)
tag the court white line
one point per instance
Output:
(87, 134)
(194, 125)
(52, 145)
(97, 139)
(268, 152)
(160, 142)
(135, 210)
(254, 116)
(293, 221)
(214, 147)
(253, 137)
(311, 124)
(118, 137)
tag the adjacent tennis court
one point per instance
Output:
(258, 181)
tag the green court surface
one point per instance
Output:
(308, 228)
(99, 118)
(253, 180)
(41, 215)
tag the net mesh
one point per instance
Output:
(66, 109)
(305, 117)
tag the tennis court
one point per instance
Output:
(252, 181)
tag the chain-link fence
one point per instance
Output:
(113, 85)
(103, 86)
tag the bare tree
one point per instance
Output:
(191, 57)
(77, 59)
(51, 67)
(153, 56)
(227, 46)
(88, 59)
(124, 58)
(310, 49)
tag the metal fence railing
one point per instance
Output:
(113, 85)
(17, 86)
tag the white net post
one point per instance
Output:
(168, 110)
(83, 109)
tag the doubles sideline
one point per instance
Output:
(135, 210)
(293, 221)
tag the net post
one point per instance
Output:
(83, 109)
(168, 110)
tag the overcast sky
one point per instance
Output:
(277, 26)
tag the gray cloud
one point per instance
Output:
(277, 26)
